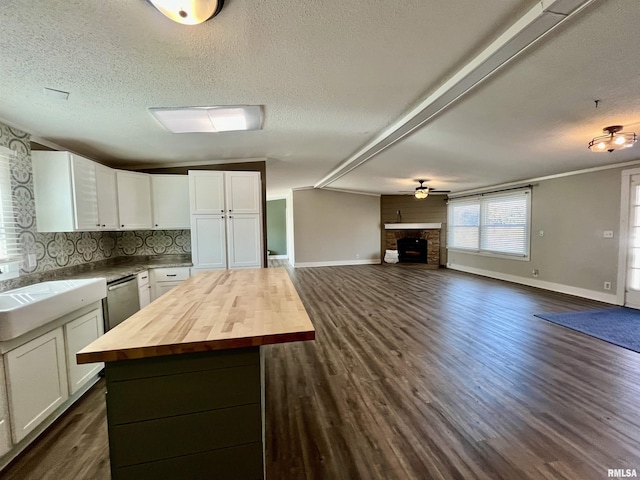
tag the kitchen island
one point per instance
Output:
(185, 375)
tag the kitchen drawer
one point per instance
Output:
(170, 274)
(143, 278)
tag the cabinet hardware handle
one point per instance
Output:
(222, 216)
(230, 216)
(143, 278)
(104, 225)
(172, 275)
(122, 226)
(97, 224)
(230, 210)
(156, 224)
(221, 211)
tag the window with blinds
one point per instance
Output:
(10, 251)
(491, 224)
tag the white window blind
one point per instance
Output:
(464, 225)
(491, 224)
(10, 250)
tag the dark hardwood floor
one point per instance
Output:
(417, 374)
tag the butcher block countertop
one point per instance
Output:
(213, 310)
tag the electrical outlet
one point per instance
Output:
(31, 260)
(535, 272)
(541, 233)
(607, 234)
(607, 285)
(357, 255)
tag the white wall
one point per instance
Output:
(335, 228)
(572, 256)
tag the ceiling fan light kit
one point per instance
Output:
(615, 139)
(188, 12)
(421, 193)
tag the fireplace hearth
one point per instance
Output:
(412, 250)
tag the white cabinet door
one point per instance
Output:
(134, 200)
(244, 241)
(53, 191)
(243, 192)
(107, 197)
(5, 429)
(206, 192)
(36, 380)
(78, 334)
(170, 195)
(163, 287)
(208, 241)
(144, 288)
(85, 193)
(144, 294)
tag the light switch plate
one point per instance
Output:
(608, 234)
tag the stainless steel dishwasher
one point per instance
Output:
(122, 301)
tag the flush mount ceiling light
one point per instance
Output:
(615, 139)
(188, 12)
(421, 191)
(209, 119)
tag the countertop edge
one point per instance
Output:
(137, 353)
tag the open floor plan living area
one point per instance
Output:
(302, 240)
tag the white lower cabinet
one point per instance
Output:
(164, 287)
(5, 429)
(144, 289)
(244, 241)
(36, 381)
(78, 334)
(208, 241)
(165, 279)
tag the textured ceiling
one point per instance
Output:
(331, 75)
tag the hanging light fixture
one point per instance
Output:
(188, 12)
(421, 191)
(615, 139)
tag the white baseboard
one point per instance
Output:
(532, 282)
(339, 263)
(278, 257)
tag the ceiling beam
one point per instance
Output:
(533, 25)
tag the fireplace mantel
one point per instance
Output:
(412, 226)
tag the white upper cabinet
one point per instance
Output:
(65, 192)
(134, 200)
(243, 192)
(107, 197)
(206, 192)
(170, 199)
(85, 193)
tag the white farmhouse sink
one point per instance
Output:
(27, 308)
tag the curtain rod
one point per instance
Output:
(493, 191)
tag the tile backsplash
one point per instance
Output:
(153, 242)
(58, 250)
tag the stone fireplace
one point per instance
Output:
(415, 236)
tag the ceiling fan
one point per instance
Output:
(423, 191)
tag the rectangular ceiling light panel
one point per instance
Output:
(209, 119)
